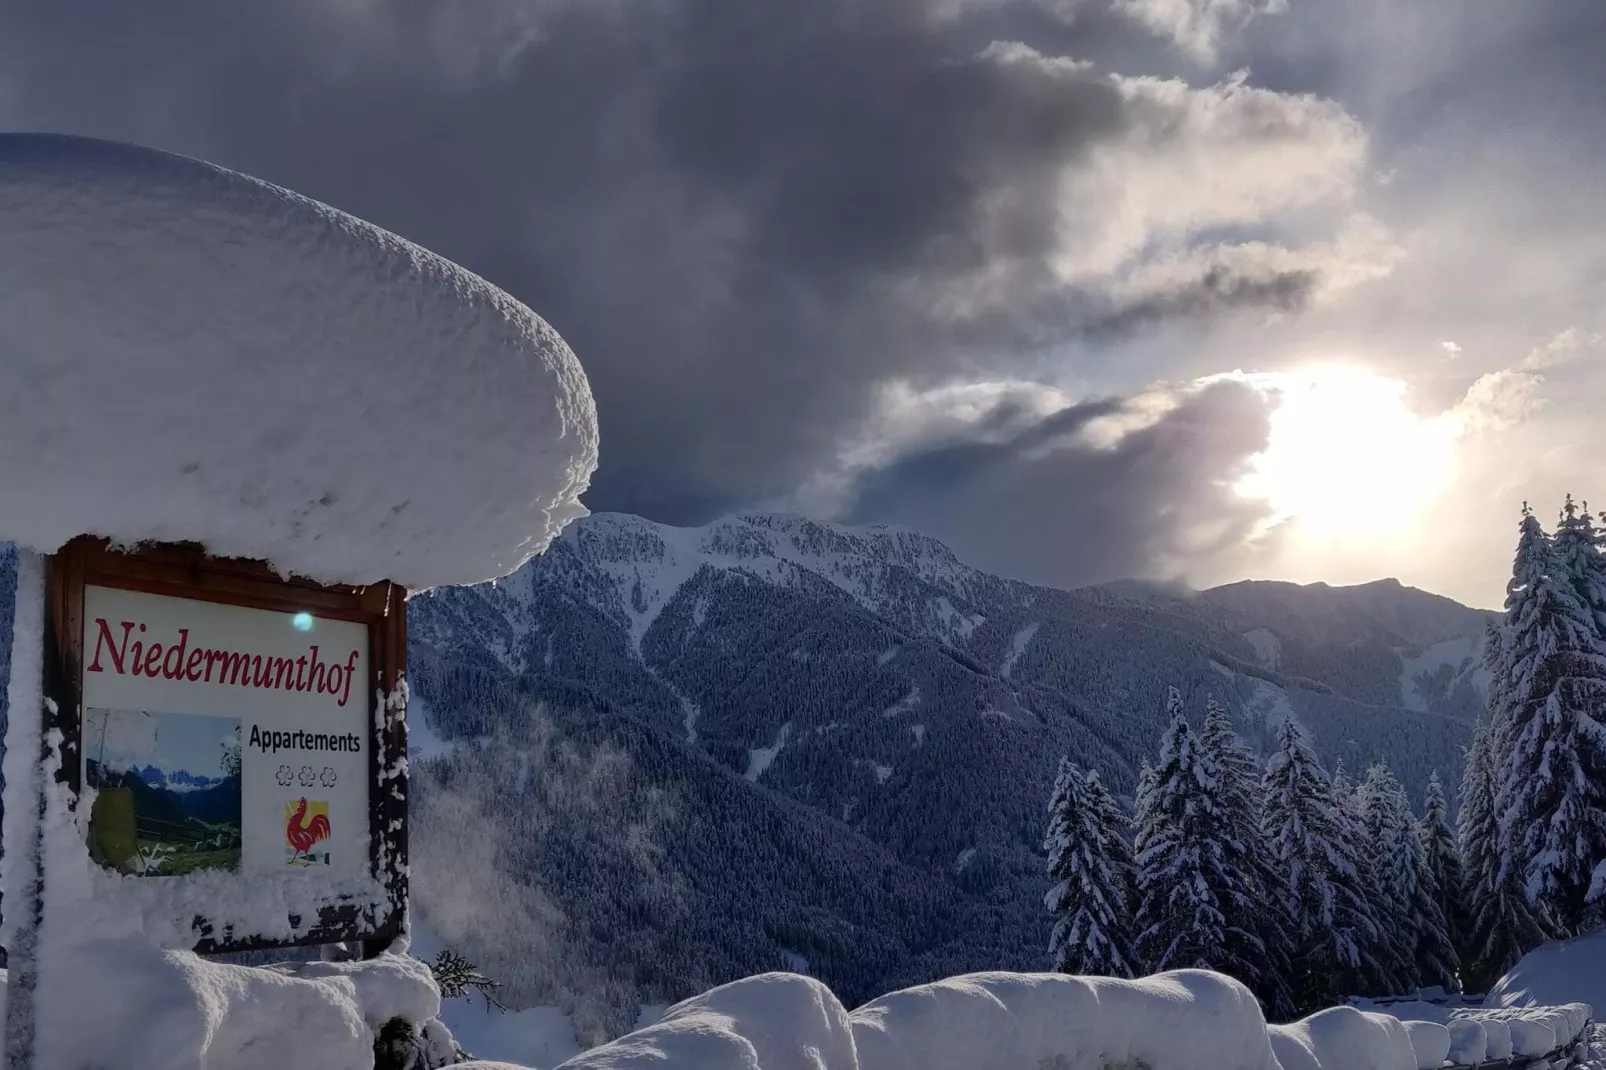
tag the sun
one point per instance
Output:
(1347, 459)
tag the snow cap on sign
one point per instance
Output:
(190, 354)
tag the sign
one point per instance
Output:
(222, 737)
(221, 721)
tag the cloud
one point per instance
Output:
(1503, 399)
(1197, 26)
(747, 218)
(1088, 492)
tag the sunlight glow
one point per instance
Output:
(1347, 458)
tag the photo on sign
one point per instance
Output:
(167, 791)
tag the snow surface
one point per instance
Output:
(1344, 1038)
(1464, 654)
(775, 1021)
(311, 390)
(760, 758)
(423, 742)
(1188, 1020)
(1017, 647)
(1272, 705)
(173, 1010)
(1557, 973)
(1268, 648)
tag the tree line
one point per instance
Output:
(1310, 888)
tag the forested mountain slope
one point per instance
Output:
(655, 759)
(848, 737)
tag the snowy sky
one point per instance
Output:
(1089, 288)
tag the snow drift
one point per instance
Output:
(1560, 972)
(193, 354)
(1186, 1020)
(172, 1010)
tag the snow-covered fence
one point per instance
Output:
(1452, 1035)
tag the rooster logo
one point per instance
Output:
(305, 825)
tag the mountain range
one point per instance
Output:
(692, 754)
(655, 758)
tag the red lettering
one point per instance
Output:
(173, 663)
(236, 668)
(180, 661)
(319, 676)
(351, 666)
(117, 653)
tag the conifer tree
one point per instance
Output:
(1187, 885)
(1332, 924)
(1550, 794)
(1390, 841)
(1435, 961)
(1140, 795)
(1380, 950)
(1578, 555)
(1250, 853)
(1441, 859)
(1501, 925)
(1089, 858)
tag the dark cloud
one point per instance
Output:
(742, 216)
(1050, 506)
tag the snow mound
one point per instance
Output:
(1469, 1042)
(167, 1010)
(775, 1021)
(193, 354)
(1556, 974)
(1344, 1038)
(1431, 1042)
(1184, 1020)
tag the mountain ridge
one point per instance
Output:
(905, 706)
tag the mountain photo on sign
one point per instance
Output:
(167, 791)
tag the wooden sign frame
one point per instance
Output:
(185, 571)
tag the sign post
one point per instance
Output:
(224, 722)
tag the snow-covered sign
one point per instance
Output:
(220, 724)
(296, 418)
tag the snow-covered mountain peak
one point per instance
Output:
(647, 563)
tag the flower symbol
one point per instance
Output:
(328, 778)
(307, 776)
(285, 775)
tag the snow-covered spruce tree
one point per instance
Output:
(1140, 796)
(1441, 863)
(1578, 555)
(1332, 924)
(1380, 951)
(1249, 852)
(1187, 884)
(1089, 858)
(1436, 962)
(1390, 843)
(1550, 794)
(1501, 925)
